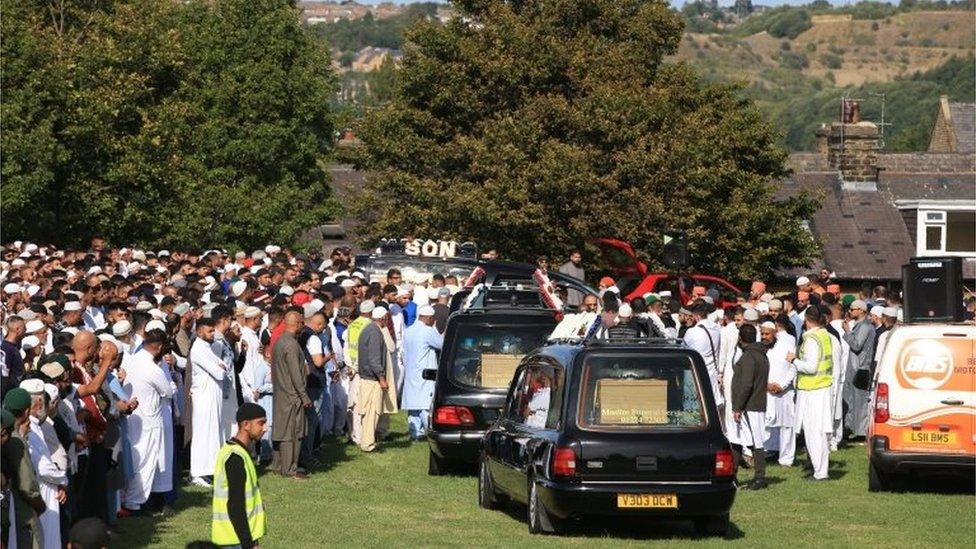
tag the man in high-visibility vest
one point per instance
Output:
(814, 376)
(238, 512)
(351, 351)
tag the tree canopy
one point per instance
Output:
(163, 123)
(535, 126)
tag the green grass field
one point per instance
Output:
(386, 499)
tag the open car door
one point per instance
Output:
(621, 257)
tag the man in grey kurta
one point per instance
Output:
(860, 337)
(289, 376)
(573, 268)
(373, 360)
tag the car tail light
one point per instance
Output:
(564, 462)
(453, 415)
(881, 404)
(724, 463)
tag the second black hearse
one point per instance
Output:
(611, 428)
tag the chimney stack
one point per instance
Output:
(852, 148)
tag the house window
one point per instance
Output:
(960, 231)
(947, 231)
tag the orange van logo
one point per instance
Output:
(925, 364)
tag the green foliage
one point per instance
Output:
(781, 22)
(832, 61)
(356, 34)
(163, 123)
(794, 61)
(550, 123)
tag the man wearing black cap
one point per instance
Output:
(238, 512)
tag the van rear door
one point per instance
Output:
(930, 373)
(642, 417)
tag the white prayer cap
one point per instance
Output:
(317, 303)
(143, 306)
(34, 326)
(309, 310)
(163, 253)
(121, 328)
(139, 255)
(859, 304)
(273, 249)
(775, 304)
(25, 255)
(751, 315)
(51, 390)
(255, 268)
(267, 261)
(11, 288)
(95, 269)
(238, 288)
(766, 297)
(133, 267)
(403, 291)
(877, 310)
(708, 299)
(33, 289)
(329, 280)
(367, 306)
(240, 256)
(157, 314)
(891, 312)
(231, 267)
(421, 296)
(27, 315)
(802, 281)
(613, 289)
(161, 270)
(767, 326)
(107, 337)
(763, 307)
(286, 290)
(30, 247)
(155, 325)
(625, 311)
(29, 342)
(252, 312)
(425, 310)
(123, 251)
(18, 243)
(325, 264)
(347, 283)
(182, 309)
(20, 263)
(359, 274)
(33, 386)
(70, 330)
(379, 312)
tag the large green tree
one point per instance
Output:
(195, 123)
(534, 126)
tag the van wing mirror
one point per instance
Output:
(429, 374)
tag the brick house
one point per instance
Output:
(879, 209)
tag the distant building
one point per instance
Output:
(879, 209)
(954, 130)
(371, 58)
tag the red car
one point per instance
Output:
(634, 281)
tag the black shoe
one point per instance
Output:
(754, 485)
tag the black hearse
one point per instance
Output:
(483, 344)
(612, 428)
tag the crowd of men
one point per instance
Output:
(780, 366)
(123, 368)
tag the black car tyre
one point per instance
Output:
(876, 481)
(540, 521)
(488, 496)
(713, 526)
(435, 465)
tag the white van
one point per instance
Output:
(924, 400)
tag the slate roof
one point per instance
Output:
(964, 126)
(864, 235)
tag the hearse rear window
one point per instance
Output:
(487, 356)
(634, 391)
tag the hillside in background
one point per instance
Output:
(795, 62)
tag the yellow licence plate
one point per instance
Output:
(647, 501)
(937, 438)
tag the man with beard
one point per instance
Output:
(860, 338)
(207, 392)
(146, 381)
(291, 398)
(780, 404)
(574, 268)
(748, 400)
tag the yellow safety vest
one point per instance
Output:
(352, 337)
(824, 376)
(222, 531)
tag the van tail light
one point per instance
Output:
(881, 404)
(564, 462)
(724, 463)
(453, 415)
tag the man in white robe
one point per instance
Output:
(421, 341)
(841, 352)
(780, 405)
(207, 392)
(727, 357)
(52, 479)
(705, 338)
(252, 351)
(147, 382)
(813, 405)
